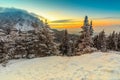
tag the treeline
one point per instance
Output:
(105, 42)
(87, 43)
(40, 42)
(26, 44)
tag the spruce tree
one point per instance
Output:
(46, 43)
(114, 41)
(85, 36)
(91, 28)
(119, 41)
(109, 42)
(73, 46)
(102, 40)
(65, 46)
(96, 42)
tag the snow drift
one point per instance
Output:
(96, 66)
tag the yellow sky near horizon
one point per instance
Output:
(78, 24)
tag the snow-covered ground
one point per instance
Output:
(95, 66)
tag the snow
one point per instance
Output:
(17, 18)
(95, 66)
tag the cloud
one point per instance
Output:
(61, 21)
(106, 18)
(76, 20)
(65, 21)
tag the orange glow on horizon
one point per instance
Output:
(77, 24)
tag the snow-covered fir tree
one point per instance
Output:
(73, 46)
(2, 51)
(51, 45)
(85, 40)
(115, 41)
(100, 41)
(46, 40)
(91, 28)
(109, 42)
(96, 42)
(21, 45)
(7, 47)
(119, 41)
(68, 45)
(65, 46)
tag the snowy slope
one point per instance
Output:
(96, 66)
(20, 19)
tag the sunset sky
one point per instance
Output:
(71, 13)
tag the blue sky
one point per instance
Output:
(70, 13)
(67, 8)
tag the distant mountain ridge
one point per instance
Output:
(17, 18)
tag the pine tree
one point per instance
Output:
(86, 22)
(2, 35)
(7, 49)
(51, 45)
(91, 29)
(114, 41)
(2, 53)
(21, 45)
(85, 37)
(119, 41)
(96, 42)
(65, 46)
(46, 43)
(109, 42)
(73, 46)
(29, 45)
(102, 39)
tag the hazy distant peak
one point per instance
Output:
(18, 18)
